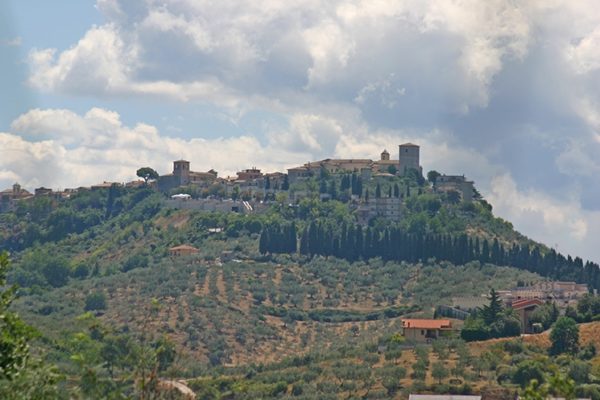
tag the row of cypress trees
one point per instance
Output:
(353, 242)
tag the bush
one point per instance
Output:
(95, 301)
(526, 371)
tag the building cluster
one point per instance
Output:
(10, 198)
(251, 185)
(563, 294)
(408, 160)
(526, 299)
(455, 183)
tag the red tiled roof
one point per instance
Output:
(427, 323)
(524, 303)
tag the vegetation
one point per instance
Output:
(298, 301)
(492, 321)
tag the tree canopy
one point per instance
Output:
(147, 173)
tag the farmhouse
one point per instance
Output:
(183, 250)
(424, 330)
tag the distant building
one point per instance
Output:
(275, 180)
(387, 207)
(364, 167)
(561, 293)
(249, 174)
(9, 197)
(524, 309)
(105, 185)
(409, 158)
(457, 183)
(424, 330)
(183, 250)
(182, 176)
(385, 165)
(42, 191)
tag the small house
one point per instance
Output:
(183, 250)
(424, 330)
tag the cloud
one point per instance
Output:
(562, 224)
(14, 42)
(177, 47)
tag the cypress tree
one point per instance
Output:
(286, 183)
(292, 239)
(263, 243)
(304, 242)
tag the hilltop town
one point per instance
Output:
(377, 188)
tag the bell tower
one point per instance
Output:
(181, 168)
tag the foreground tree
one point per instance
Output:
(21, 376)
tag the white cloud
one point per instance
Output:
(540, 214)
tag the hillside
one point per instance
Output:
(234, 311)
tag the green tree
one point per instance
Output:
(453, 196)
(439, 371)
(564, 336)
(95, 301)
(391, 384)
(491, 312)
(527, 371)
(432, 176)
(56, 271)
(147, 174)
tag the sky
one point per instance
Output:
(505, 92)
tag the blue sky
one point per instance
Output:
(504, 92)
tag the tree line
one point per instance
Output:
(354, 242)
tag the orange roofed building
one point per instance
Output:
(424, 330)
(183, 250)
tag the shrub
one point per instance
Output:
(95, 301)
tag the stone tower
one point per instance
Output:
(385, 156)
(409, 158)
(181, 168)
(16, 189)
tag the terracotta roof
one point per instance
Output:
(427, 323)
(183, 247)
(519, 304)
